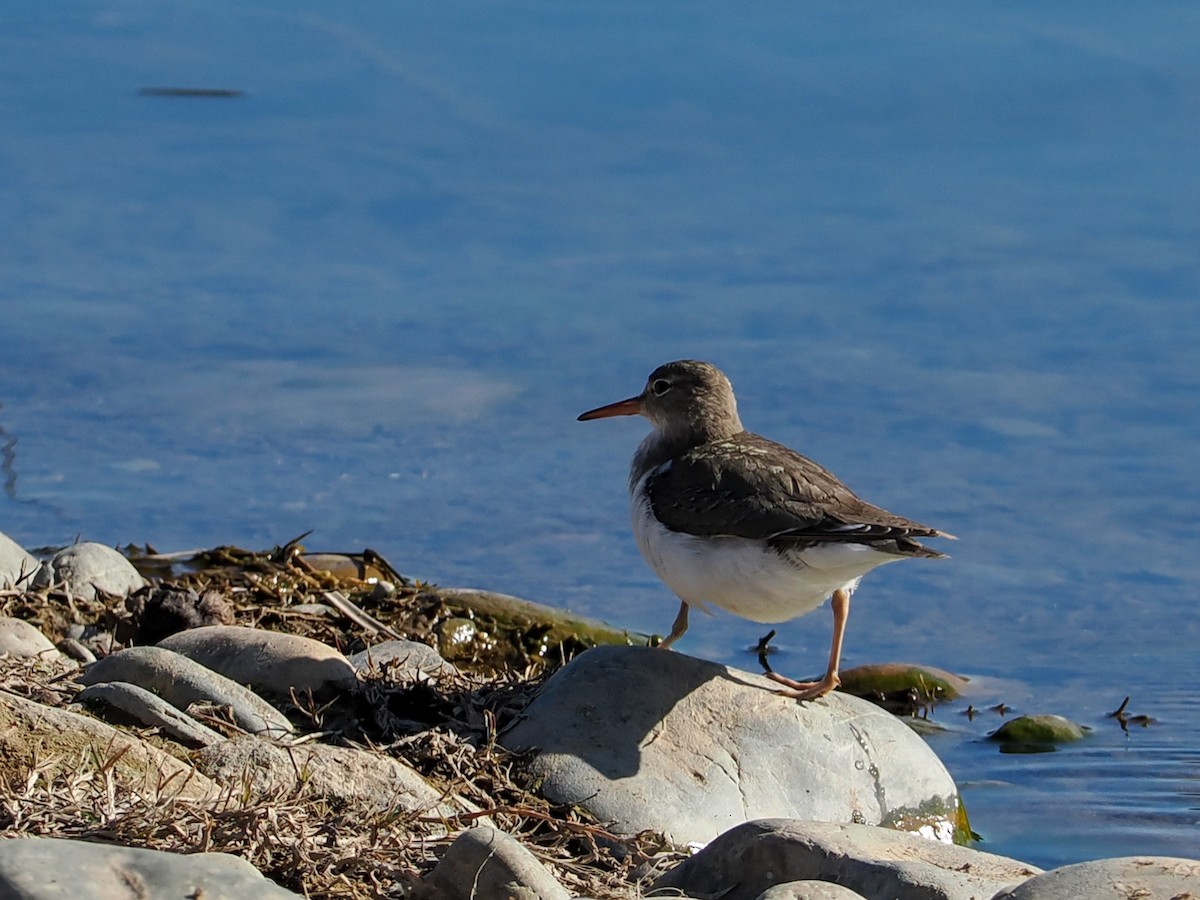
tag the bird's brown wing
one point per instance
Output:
(748, 486)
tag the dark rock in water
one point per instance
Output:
(876, 862)
(649, 739)
(902, 687)
(50, 868)
(1037, 734)
(485, 862)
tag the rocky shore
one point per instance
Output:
(232, 724)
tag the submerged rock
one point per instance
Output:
(1033, 734)
(37, 868)
(876, 862)
(649, 739)
(88, 569)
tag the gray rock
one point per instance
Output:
(366, 781)
(484, 862)
(59, 738)
(88, 568)
(646, 738)
(878, 863)
(1121, 878)
(269, 661)
(182, 681)
(149, 709)
(403, 660)
(76, 650)
(54, 869)
(19, 638)
(17, 565)
(809, 890)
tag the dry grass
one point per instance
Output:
(445, 727)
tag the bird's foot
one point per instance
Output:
(806, 690)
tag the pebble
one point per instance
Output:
(401, 660)
(645, 739)
(876, 862)
(484, 862)
(809, 890)
(87, 569)
(20, 639)
(17, 565)
(38, 868)
(182, 681)
(149, 709)
(268, 661)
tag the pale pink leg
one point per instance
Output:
(811, 690)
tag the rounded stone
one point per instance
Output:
(270, 661)
(42, 868)
(756, 856)
(20, 639)
(88, 569)
(1119, 878)
(369, 782)
(486, 862)
(644, 738)
(181, 682)
(809, 890)
(17, 565)
(402, 660)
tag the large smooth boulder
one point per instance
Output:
(270, 661)
(646, 738)
(40, 868)
(88, 569)
(1120, 878)
(879, 863)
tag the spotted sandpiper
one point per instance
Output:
(728, 518)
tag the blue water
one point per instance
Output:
(950, 251)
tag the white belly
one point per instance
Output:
(747, 577)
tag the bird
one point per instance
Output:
(730, 519)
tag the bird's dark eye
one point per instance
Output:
(659, 386)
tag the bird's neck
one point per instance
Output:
(664, 444)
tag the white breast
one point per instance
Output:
(747, 577)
